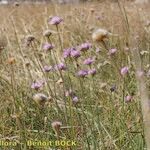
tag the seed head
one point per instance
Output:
(60, 81)
(99, 35)
(56, 126)
(11, 60)
(47, 33)
(30, 38)
(40, 98)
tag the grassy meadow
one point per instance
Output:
(83, 76)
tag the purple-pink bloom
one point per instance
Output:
(75, 100)
(85, 46)
(66, 53)
(75, 53)
(98, 50)
(48, 68)
(112, 51)
(55, 20)
(128, 98)
(124, 70)
(61, 66)
(37, 85)
(82, 73)
(88, 61)
(47, 46)
(92, 72)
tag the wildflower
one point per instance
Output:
(92, 72)
(66, 53)
(75, 100)
(48, 68)
(128, 98)
(56, 126)
(75, 53)
(124, 70)
(37, 85)
(98, 50)
(112, 51)
(40, 98)
(88, 61)
(82, 73)
(85, 46)
(100, 35)
(47, 46)
(55, 20)
(61, 66)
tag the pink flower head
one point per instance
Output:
(128, 98)
(37, 85)
(92, 72)
(66, 53)
(75, 53)
(112, 51)
(82, 73)
(61, 66)
(124, 70)
(75, 100)
(48, 68)
(88, 61)
(47, 46)
(98, 50)
(55, 20)
(85, 46)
